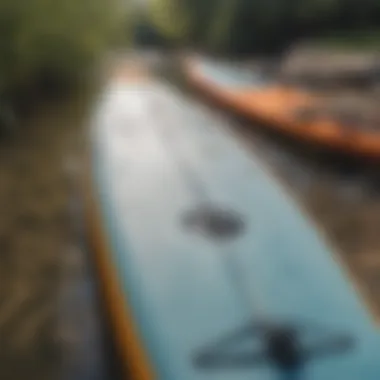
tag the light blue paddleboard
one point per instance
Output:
(207, 245)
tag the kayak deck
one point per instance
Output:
(287, 110)
(155, 163)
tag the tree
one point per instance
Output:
(172, 18)
(223, 23)
(255, 26)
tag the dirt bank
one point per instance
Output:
(34, 234)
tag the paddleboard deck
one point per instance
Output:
(208, 250)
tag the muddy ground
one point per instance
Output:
(41, 265)
(40, 261)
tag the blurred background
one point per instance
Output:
(54, 57)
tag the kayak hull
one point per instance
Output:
(275, 107)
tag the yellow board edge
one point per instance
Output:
(136, 363)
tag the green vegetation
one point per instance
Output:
(359, 41)
(47, 45)
(260, 27)
(172, 18)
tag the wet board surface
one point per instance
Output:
(204, 241)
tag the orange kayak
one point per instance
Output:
(288, 110)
